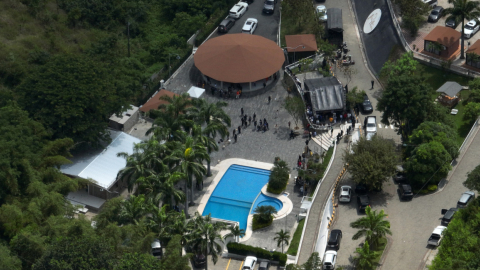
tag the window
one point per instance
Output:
(434, 47)
(473, 60)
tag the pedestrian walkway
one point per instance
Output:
(325, 139)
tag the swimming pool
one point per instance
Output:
(264, 200)
(235, 193)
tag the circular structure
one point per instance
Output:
(239, 58)
(372, 21)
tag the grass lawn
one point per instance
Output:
(436, 78)
(293, 248)
(381, 247)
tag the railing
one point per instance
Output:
(469, 134)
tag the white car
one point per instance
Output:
(249, 263)
(238, 10)
(471, 28)
(250, 26)
(322, 13)
(330, 260)
(436, 236)
(345, 194)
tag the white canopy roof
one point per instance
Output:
(195, 92)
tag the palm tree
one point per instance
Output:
(463, 9)
(177, 105)
(134, 209)
(206, 235)
(216, 120)
(235, 232)
(281, 238)
(264, 213)
(366, 257)
(372, 226)
(168, 127)
(161, 187)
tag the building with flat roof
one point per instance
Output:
(126, 121)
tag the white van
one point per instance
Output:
(249, 263)
(238, 10)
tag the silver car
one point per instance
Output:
(345, 194)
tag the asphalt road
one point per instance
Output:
(267, 23)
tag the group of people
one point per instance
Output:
(261, 125)
(329, 118)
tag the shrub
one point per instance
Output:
(432, 188)
(256, 224)
(260, 253)
(278, 177)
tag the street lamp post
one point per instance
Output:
(295, 49)
(169, 54)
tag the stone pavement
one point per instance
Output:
(316, 210)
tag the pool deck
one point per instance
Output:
(222, 168)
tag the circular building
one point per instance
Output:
(239, 58)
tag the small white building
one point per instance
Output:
(126, 121)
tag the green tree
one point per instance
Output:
(355, 97)
(429, 162)
(366, 257)
(173, 258)
(235, 232)
(434, 131)
(206, 235)
(405, 103)
(473, 179)
(134, 209)
(405, 65)
(138, 261)
(295, 107)
(73, 97)
(371, 162)
(373, 226)
(264, 213)
(313, 263)
(463, 10)
(161, 187)
(9, 261)
(472, 111)
(282, 237)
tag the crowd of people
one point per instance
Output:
(260, 125)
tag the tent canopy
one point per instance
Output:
(195, 92)
(334, 19)
(451, 89)
(326, 94)
(239, 58)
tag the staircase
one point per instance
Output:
(325, 139)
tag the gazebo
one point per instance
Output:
(449, 93)
(239, 58)
(300, 46)
(443, 42)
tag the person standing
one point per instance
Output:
(239, 129)
(254, 116)
(264, 85)
(373, 82)
(255, 124)
(269, 99)
(276, 128)
(331, 131)
(249, 120)
(288, 124)
(241, 111)
(235, 137)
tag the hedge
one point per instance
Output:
(260, 253)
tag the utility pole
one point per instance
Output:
(128, 34)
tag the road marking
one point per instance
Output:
(241, 265)
(392, 126)
(228, 265)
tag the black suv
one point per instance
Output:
(448, 215)
(334, 240)
(405, 191)
(225, 25)
(362, 202)
(361, 189)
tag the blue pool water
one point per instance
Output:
(235, 193)
(263, 200)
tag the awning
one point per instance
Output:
(334, 19)
(195, 92)
(326, 94)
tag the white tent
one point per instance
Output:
(195, 92)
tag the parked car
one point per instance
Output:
(448, 215)
(466, 199)
(361, 189)
(366, 105)
(156, 249)
(199, 260)
(250, 26)
(269, 7)
(226, 25)
(436, 236)
(238, 10)
(330, 259)
(265, 265)
(370, 127)
(334, 240)
(362, 202)
(452, 22)
(471, 28)
(345, 194)
(249, 263)
(322, 13)
(431, 3)
(435, 14)
(405, 191)
(247, 1)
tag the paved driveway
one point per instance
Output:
(267, 23)
(412, 222)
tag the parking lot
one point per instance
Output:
(267, 23)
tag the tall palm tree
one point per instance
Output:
(235, 232)
(134, 209)
(366, 257)
(204, 137)
(215, 118)
(463, 9)
(265, 213)
(188, 156)
(373, 226)
(177, 105)
(206, 236)
(281, 238)
(161, 187)
(168, 127)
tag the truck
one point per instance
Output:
(436, 236)
(370, 127)
(431, 3)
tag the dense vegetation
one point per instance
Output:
(279, 176)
